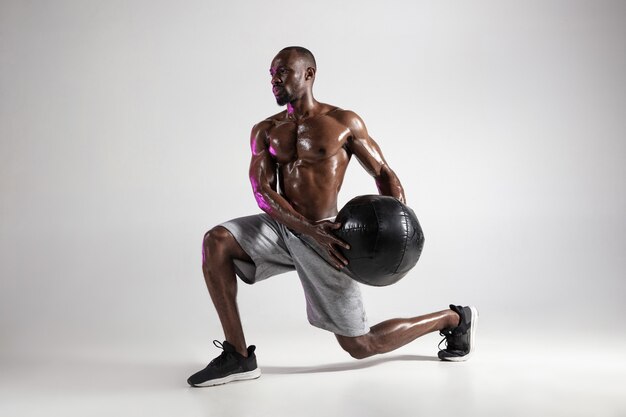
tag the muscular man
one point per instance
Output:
(299, 159)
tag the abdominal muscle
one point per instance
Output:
(312, 188)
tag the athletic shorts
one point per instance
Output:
(333, 299)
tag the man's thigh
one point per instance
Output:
(261, 239)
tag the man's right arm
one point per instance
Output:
(263, 178)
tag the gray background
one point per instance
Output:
(124, 137)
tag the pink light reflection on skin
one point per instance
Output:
(272, 151)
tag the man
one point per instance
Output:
(299, 158)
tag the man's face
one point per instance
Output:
(287, 77)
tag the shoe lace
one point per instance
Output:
(450, 337)
(445, 339)
(222, 357)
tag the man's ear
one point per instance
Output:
(310, 73)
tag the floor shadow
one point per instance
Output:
(343, 366)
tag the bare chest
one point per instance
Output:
(309, 140)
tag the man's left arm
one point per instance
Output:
(369, 155)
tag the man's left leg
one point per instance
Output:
(457, 324)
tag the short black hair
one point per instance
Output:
(304, 53)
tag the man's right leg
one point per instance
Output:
(219, 249)
(236, 362)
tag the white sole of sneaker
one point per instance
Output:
(472, 338)
(242, 376)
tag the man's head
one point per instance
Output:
(293, 72)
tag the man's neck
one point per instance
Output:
(302, 108)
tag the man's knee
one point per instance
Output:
(215, 242)
(359, 347)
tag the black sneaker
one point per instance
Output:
(229, 366)
(460, 340)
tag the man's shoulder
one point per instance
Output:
(266, 124)
(342, 115)
(345, 117)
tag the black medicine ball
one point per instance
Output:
(385, 239)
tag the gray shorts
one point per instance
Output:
(333, 299)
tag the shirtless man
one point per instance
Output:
(299, 158)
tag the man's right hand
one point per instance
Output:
(322, 234)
